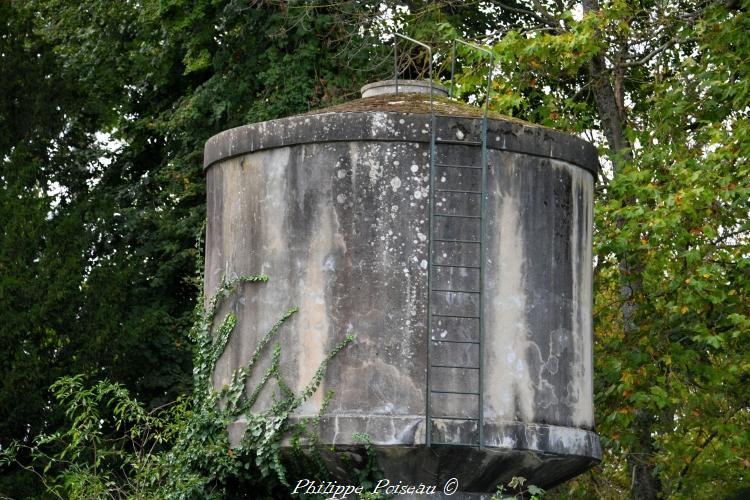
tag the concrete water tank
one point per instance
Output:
(334, 207)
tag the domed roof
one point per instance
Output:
(417, 103)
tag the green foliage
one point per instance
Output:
(367, 476)
(517, 488)
(672, 235)
(686, 232)
(99, 278)
(114, 447)
(96, 261)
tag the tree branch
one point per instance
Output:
(551, 20)
(526, 12)
(695, 455)
(658, 50)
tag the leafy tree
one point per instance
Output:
(112, 447)
(44, 169)
(664, 89)
(96, 262)
(104, 114)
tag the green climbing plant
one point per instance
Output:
(518, 489)
(113, 447)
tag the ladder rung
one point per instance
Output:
(460, 216)
(466, 191)
(456, 367)
(456, 392)
(453, 418)
(459, 143)
(476, 342)
(455, 291)
(455, 316)
(453, 265)
(455, 241)
(445, 165)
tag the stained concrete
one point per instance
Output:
(334, 208)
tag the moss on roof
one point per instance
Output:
(417, 104)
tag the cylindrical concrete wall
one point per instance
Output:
(334, 207)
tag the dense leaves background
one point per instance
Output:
(105, 107)
(98, 258)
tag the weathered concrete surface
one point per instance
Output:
(334, 208)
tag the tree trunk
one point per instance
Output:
(644, 482)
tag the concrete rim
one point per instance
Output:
(539, 438)
(396, 127)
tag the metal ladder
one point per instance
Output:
(456, 257)
(455, 384)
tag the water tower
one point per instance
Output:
(461, 259)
